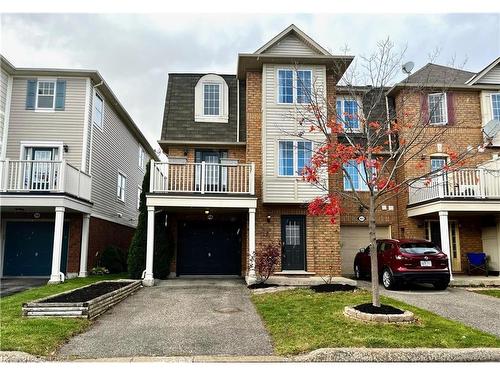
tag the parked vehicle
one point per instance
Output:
(405, 261)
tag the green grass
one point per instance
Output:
(489, 292)
(301, 320)
(40, 336)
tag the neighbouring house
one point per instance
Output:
(72, 162)
(231, 183)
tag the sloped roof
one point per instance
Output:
(483, 72)
(434, 74)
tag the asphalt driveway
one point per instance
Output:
(178, 317)
(472, 309)
(9, 286)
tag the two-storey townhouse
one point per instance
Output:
(72, 163)
(459, 210)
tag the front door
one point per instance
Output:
(215, 175)
(41, 173)
(433, 234)
(293, 238)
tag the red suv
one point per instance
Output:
(404, 261)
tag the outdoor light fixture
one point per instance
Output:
(66, 148)
(423, 156)
(207, 212)
(186, 152)
(361, 208)
(268, 218)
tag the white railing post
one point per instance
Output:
(202, 187)
(5, 175)
(62, 176)
(482, 183)
(252, 178)
(440, 179)
(151, 177)
(165, 180)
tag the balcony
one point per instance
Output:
(30, 176)
(202, 178)
(471, 189)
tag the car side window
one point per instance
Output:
(380, 247)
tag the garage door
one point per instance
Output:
(352, 238)
(209, 248)
(28, 248)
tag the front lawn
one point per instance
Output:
(301, 320)
(488, 292)
(40, 336)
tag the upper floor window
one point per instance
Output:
(142, 158)
(438, 109)
(355, 176)
(98, 112)
(46, 94)
(348, 114)
(211, 99)
(437, 163)
(120, 186)
(294, 86)
(293, 157)
(495, 106)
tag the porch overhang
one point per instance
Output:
(200, 201)
(479, 205)
(43, 202)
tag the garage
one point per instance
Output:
(352, 238)
(209, 248)
(28, 248)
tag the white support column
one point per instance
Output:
(251, 277)
(445, 237)
(84, 249)
(55, 275)
(148, 277)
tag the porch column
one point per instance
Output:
(55, 275)
(148, 277)
(251, 277)
(84, 250)
(445, 237)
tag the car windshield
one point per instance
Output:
(419, 248)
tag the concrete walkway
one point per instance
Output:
(473, 309)
(178, 317)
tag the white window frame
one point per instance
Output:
(142, 158)
(139, 192)
(365, 183)
(294, 84)
(445, 108)
(199, 96)
(342, 99)
(101, 125)
(295, 157)
(121, 190)
(54, 81)
(41, 144)
(491, 104)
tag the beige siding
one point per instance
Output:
(57, 126)
(492, 77)
(280, 120)
(4, 82)
(487, 112)
(291, 45)
(113, 149)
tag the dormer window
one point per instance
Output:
(211, 99)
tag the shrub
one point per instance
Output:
(267, 260)
(99, 271)
(114, 259)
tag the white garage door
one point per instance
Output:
(352, 238)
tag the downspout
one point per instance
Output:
(237, 110)
(388, 123)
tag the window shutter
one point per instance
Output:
(31, 94)
(60, 95)
(424, 109)
(450, 100)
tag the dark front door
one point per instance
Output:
(28, 248)
(209, 248)
(293, 237)
(215, 174)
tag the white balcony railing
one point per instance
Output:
(470, 183)
(24, 176)
(202, 178)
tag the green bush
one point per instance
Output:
(114, 259)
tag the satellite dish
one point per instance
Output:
(408, 67)
(492, 128)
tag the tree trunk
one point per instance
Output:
(373, 254)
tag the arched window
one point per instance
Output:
(211, 99)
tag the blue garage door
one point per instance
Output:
(28, 248)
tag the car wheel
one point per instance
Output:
(388, 280)
(440, 286)
(357, 272)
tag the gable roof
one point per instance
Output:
(483, 72)
(295, 31)
(435, 74)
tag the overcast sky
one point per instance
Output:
(134, 53)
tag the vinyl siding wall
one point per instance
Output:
(278, 121)
(4, 82)
(487, 112)
(113, 149)
(291, 46)
(59, 126)
(492, 77)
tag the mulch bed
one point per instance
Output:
(262, 286)
(330, 288)
(383, 309)
(89, 292)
